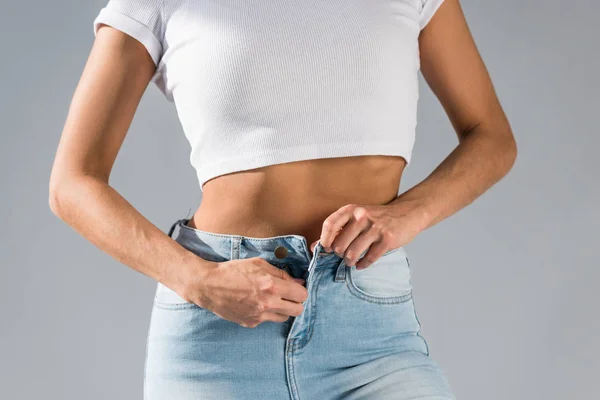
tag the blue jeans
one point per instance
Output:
(358, 337)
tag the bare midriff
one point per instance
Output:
(295, 197)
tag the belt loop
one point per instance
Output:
(235, 247)
(340, 274)
(173, 227)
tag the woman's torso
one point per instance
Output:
(292, 109)
(295, 198)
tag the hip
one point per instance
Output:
(343, 303)
(358, 333)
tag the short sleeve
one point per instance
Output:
(428, 9)
(140, 19)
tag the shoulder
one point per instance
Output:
(427, 8)
(143, 20)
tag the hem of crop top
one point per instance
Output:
(301, 153)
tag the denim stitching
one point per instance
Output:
(354, 290)
(379, 300)
(290, 362)
(419, 330)
(391, 251)
(340, 274)
(176, 306)
(313, 318)
(316, 275)
(235, 248)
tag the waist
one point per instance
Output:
(295, 198)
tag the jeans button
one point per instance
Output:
(281, 252)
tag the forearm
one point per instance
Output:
(481, 159)
(100, 214)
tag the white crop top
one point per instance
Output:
(262, 82)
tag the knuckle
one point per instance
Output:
(378, 226)
(257, 261)
(387, 234)
(266, 305)
(350, 206)
(360, 213)
(327, 224)
(261, 307)
(260, 261)
(270, 288)
(266, 283)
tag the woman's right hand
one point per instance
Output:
(246, 291)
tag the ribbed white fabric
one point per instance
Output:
(263, 82)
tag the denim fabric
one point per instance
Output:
(358, 337)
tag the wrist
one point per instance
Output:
(417, 210)
(188, 274)
(425, 216)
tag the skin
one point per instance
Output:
(350, 204)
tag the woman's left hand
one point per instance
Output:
(354, 229)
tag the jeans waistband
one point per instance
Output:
(289, 251)
(283, 249)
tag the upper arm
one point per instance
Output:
(118, 70)
(455, 72)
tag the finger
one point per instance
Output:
(286, 307)
(291, 291)
(360, 245)
(286, 287)
(273, 270)
(352, 230)
(273, 316)
(333, 224)
(375, 252)
(280, 273)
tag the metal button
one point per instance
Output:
(281, 252)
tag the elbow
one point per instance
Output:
(508, 154)
(58, 191)
(512, 151)
(69, 190)
(54, 199)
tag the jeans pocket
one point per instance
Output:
(386, 281)
(167, 298)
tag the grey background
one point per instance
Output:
(506, 290)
